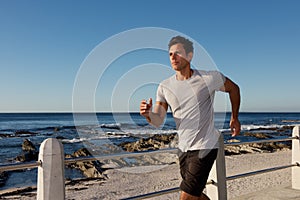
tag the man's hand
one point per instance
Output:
(235, 127)
(145, 109)
(235, 100)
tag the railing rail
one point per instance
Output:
(261, 141)
(19, 166)
(170, 150)
(35, 164)
(154, 194)
(217, 179)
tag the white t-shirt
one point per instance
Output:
(191, 102)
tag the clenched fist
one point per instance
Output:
(145, 108)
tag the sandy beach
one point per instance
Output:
(131, 181)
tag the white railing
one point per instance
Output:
(51, 183)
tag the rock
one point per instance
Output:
(154, 142)
(257, 148)
(27, 156)
(68, 156)
(83, 152)
(28, 146)
(285, 129)
(29, 152)
(274, 146)
(5, 135)
(165, 138)
(91, 169)
(24, 133)
(258, 135)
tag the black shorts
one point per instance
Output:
(194, 168)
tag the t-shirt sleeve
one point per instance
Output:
(218, 80)
(160, 94)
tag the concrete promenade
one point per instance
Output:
(278, 193)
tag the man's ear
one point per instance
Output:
(190, 56)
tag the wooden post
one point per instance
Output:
(296, 159)
(51, 179)
(218, 190)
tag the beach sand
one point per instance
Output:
(132, 181)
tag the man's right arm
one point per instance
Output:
(155, 117)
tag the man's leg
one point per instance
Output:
(195, 168)
(186, 196)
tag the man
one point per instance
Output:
(190, 94)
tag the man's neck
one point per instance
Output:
(184, 74)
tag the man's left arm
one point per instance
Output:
(235, 99)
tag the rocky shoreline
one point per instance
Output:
(156, 142)
(96, 169)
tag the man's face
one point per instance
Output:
(178, 57)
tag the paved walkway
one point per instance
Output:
(281, 193)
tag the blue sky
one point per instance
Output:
(44, 43)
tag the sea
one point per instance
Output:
(100, 132)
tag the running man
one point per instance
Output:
(190, 95)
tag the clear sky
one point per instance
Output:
(44, 43)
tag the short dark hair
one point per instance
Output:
(187, 44)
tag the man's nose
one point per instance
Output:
(173, 56)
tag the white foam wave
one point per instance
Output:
(250, 127)
(83, 139)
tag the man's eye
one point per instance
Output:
(174, 53)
